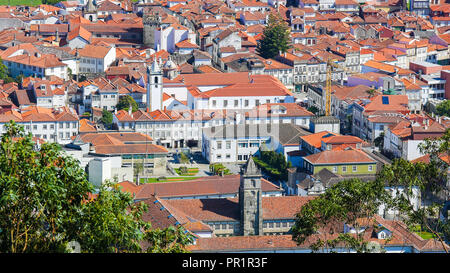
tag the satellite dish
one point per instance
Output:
(74, 247)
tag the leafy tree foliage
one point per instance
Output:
(41, 194)
(443, 108)
(137, 170)
(313, 109)
(183, 158)
(4, 73)
(51, 2)
(275, 37)
(371, 92)
(431, 179)
(346, 202)
(169, 240)
(125, 102)
(46, 202)
(183, 170)
(111, 223)
(379, 141)
(218, 169)
(107, 117)
(3, 70)
(274, 164)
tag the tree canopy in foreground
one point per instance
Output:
(47, 203)
(352, 200)
(349, 202)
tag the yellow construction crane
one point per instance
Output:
(331, 63)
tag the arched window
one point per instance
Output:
(90, 18)
(156, 79)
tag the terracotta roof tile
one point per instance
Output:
(211, 185)
(339, 157)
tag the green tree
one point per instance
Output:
(19, 78)
(276, 37)
(41, 194)
(138, 168)
(69, 73)
(218, 169)
(125, 230)
(183, 158)
(111, 223)
(352, 202)
(4, 72)
(107, 117)
(371, 92)
(431, 179)
(274, 164)
(183, 170)
(51, 2)
(379, 141)
(169, 240)
(443, 108)
(125, 102)
(313, 109)
(46, 202)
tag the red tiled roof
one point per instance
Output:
(79, 31)
(93, 51)
(339, 157)
(401, 237)
(398, 103)
(315, 140)
(186, 44)
(212, 185)
(216, 209)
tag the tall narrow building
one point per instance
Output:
(151, 22)
(250, 200)
(154, 87)
(90, 11)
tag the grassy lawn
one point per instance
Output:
(191, 172)
(425, 235)
(20, 2)
(169, 179)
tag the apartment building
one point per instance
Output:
(51, 125)
(95, 59)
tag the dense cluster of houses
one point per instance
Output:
(193, 69)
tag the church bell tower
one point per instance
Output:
(250, 200)
(154, 87)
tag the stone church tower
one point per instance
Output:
(250, 200)
(90, 11)
(151, 23)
